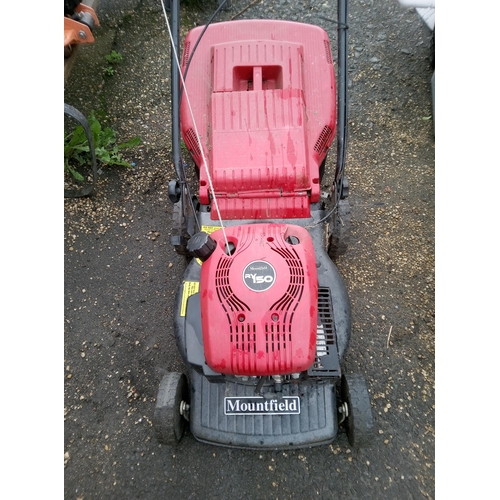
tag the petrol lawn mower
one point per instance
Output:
(262, 316)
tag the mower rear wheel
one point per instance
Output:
(168, 419)
(359, 421)
(341, 229)
(177, 224)
(322, 168)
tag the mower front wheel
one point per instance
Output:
(359, 420)
(171, 408)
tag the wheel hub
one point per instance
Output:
(184, 410)
(343, 409)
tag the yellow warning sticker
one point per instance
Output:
(210, 229)
(190, 288)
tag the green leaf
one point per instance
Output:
(82, 149)
(114, 57)
(103, 155)
(122, 163)
(75, 174)
(95, 127)
(79, 136)
(132, 143)
(107, 137)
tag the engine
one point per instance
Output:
(259, 296)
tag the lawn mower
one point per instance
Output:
(262, 316)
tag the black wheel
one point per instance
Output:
(168, 421)
(359, 421)
(322, 168)
(178, 225)
(183, 225)
(70, 6)
(432, 56)
(341, 228)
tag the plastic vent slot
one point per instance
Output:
(326, 363)
(279, 333)
(244, 338)
(185, 56)
(225, 293)
(324, 140)
(328, 51)
(297, 280)
(192, 143)
(276, 341)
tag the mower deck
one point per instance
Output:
(316, 423)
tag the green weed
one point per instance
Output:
(107, 151)
(113, 58)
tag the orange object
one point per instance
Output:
(79, 30)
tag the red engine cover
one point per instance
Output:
(259, 305)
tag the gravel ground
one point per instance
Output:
(120, 272)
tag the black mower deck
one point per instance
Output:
(315, 425)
